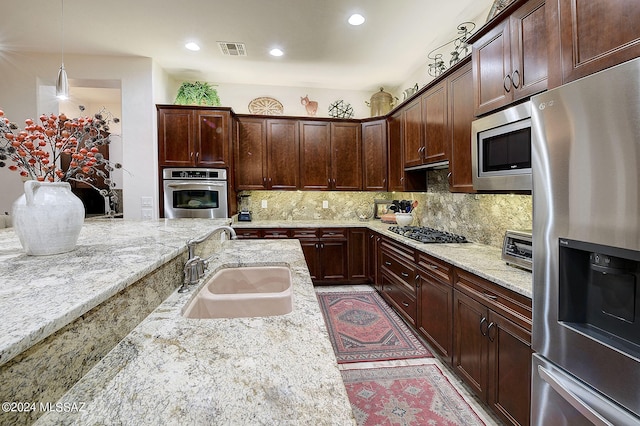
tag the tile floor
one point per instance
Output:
(485, 414)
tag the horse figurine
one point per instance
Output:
(311, 106)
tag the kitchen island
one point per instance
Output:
(169, 368)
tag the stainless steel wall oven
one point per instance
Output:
(586, 251)
(195, 193)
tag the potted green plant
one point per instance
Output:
(197, 93)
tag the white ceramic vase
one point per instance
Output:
(404, 219)
(47, 218)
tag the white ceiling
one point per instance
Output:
(321, 49)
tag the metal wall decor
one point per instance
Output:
(460, 49)
(340, 109)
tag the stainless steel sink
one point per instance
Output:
(250, 291)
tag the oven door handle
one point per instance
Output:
(181, 184)
(584, 400)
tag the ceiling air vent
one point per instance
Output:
(232, 49)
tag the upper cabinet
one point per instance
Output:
(264, 151)
(510, 60)
(193, 136)
(460, 103)
(374, 155)
(330, 155)
(593, 35)
(412, 133)
(434, 117)
(395, 163)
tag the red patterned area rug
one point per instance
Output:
(406, 396)
(362, 327)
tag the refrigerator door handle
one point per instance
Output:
(575, 394)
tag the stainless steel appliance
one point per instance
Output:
(244, 215)
(586, 251)
(195, 193)
(501, 150)
(425, 234)
(517, 248)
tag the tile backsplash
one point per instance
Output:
(479, 217)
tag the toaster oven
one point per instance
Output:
(517, 249)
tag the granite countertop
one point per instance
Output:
(480, 259)
(220, 371)
(41, 294)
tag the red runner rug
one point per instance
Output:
(407, 396)
(362, 327)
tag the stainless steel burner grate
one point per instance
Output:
(427, 235)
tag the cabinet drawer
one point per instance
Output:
(435, 268)
(399, 250)
(276, 233)
(403, 271)
(304, 233)
(248, 233)
(402, 301)
(331, 233)
(513, 306)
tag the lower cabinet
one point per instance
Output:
(398, 278)
(492, 346)
(326, 251)
(435, 304)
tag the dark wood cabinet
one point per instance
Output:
(510, 60)
(250, 150)
(330, 155)
(398, 278)
(332, 253)
(374, 240)
(264, 150)
(592, 35)
(282, 153)
(434, 116)
(412, 133)
(193, 136)
(492, 345)
(461, 115)
(315, 155)
(374, 155)
(395, 147)
(435, 304)
(326, 250)
(346, 156)
(358, 255)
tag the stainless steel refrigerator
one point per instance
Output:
(586, 243)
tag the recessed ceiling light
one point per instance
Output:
(276, 52)
(192, 46)
(356, 19)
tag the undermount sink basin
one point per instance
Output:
(250, 291)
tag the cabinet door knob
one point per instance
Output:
(507, 85)
(191, 155)
(483, 331)
(405, 304)
(404, 274)
(516, 79)
(387, 263)
(197, 156)
(491, 325)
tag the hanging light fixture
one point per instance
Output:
(62, 83)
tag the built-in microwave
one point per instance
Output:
(501, 150)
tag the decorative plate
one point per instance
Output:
(265, 106)
(340, 109)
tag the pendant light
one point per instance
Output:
(62, 83)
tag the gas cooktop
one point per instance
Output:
(427, 235)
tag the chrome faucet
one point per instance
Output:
(195, 266)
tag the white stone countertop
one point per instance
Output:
(242, 371)
(41, 294)
(480, 259)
